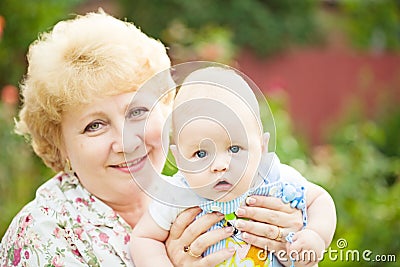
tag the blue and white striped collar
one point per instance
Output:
(224, 207)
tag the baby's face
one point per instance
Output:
(219, 155)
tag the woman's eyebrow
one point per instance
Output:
(94, 114)
(138, 102)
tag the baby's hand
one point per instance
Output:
(307, 248)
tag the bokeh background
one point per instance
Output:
(330, 70)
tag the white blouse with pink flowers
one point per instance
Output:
(66, 226)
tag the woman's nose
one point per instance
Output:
(126, 141)
(131, 143)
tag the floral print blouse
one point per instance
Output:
(66, 226)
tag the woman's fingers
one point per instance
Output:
(191, 235)
(200, 226)
(272, 203)
(183, 221)
(292, 221)
(263, 242)
(185, 230)
(259, 229)
(271, 210)
(201, 243)
(270, 222)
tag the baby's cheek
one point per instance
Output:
(196, 181)
(240, 166)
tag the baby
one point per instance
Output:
(222, 156)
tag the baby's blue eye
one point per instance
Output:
(234, 149)
(201, 154)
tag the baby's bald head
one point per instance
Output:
(215, 92)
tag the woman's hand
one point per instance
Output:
(188, 239)
(270, 222)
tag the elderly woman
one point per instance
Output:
(77, 98)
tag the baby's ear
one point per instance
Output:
(265, 140)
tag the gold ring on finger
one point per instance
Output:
(279, 235)
(187, 250)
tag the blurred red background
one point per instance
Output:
(323, 82)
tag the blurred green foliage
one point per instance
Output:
(21, 172)
(264, 26)
(372, 24)
(23, 20)
(360, 167)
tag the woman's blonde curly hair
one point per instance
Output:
(80, 59)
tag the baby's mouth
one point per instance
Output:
(222, 185)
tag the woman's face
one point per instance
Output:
(113, 139)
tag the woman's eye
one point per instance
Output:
(201, 154)
(234, 149)
(136, 112)
(94, 126)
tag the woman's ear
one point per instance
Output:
(265, 141)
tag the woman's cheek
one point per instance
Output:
(157, 138)
(154, 129)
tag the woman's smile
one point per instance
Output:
(131, 166)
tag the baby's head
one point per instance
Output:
(217, 133)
